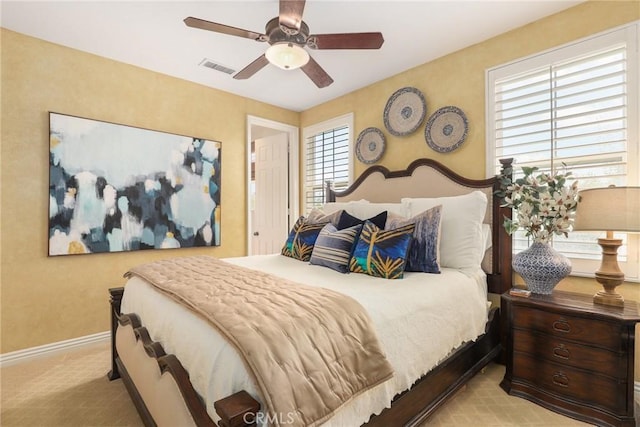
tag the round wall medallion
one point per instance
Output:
(405, 111)
(446, 129)
(370, 145)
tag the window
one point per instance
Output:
(327, 157)
(574, 106)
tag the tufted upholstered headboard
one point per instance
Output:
(428, 178)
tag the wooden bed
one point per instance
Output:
(164, 382)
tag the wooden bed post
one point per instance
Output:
(503, 264)
(329, 194)
(237, 410)
(115, 300)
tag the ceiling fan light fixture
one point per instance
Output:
(287, 56)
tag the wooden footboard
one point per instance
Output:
(166, 390)
(408, 409)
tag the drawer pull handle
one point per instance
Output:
(561, 352)
(560, 379)
(562, 326)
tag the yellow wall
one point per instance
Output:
(45, 299)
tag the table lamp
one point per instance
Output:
(609, 209)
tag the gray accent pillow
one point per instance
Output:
(424, 252)
(333, 247)
(317, 216)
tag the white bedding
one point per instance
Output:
(419, 320)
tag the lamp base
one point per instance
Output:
(605, 298)
(609, 275)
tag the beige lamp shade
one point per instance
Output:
(608, 209)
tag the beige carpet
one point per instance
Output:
(73, 390)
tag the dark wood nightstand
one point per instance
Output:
(571, 356)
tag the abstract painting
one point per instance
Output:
(115, 188)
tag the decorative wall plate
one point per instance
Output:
(405, 111)
(446, 129)
(370, 145)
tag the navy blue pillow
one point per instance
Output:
(347, 220)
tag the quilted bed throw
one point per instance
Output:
(310, 350)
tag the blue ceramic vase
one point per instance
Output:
(541, 267)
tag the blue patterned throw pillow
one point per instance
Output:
(424, 250)
(381, 253)
(302, 237)
(333, 247)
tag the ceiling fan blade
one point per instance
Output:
(224, 29)
(252, 68)
(315, 72)
(346, 41)
(291, 15)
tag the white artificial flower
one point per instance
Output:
(542, 207)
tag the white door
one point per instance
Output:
(270, 214)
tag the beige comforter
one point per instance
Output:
(310, 350)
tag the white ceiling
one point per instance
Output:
(151, 35)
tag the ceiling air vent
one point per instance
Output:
(215, 66)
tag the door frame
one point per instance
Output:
(294, 170)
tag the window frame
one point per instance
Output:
(628, 34)
(345, 120)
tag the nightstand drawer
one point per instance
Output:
(570, 354)
(565, 381)
(601, 334)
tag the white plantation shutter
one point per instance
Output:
(575, 106)
(327, 158)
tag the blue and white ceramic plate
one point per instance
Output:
(405, 111)
(446, 129)
(370, 145)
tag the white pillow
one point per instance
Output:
(368, 210)
(487, 238)
(461, 243)
(487, 244)
(332, 207)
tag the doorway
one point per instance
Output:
(272, 189)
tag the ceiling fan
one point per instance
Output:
(287, 35)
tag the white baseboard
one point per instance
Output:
(19, 356)
(636, 387)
